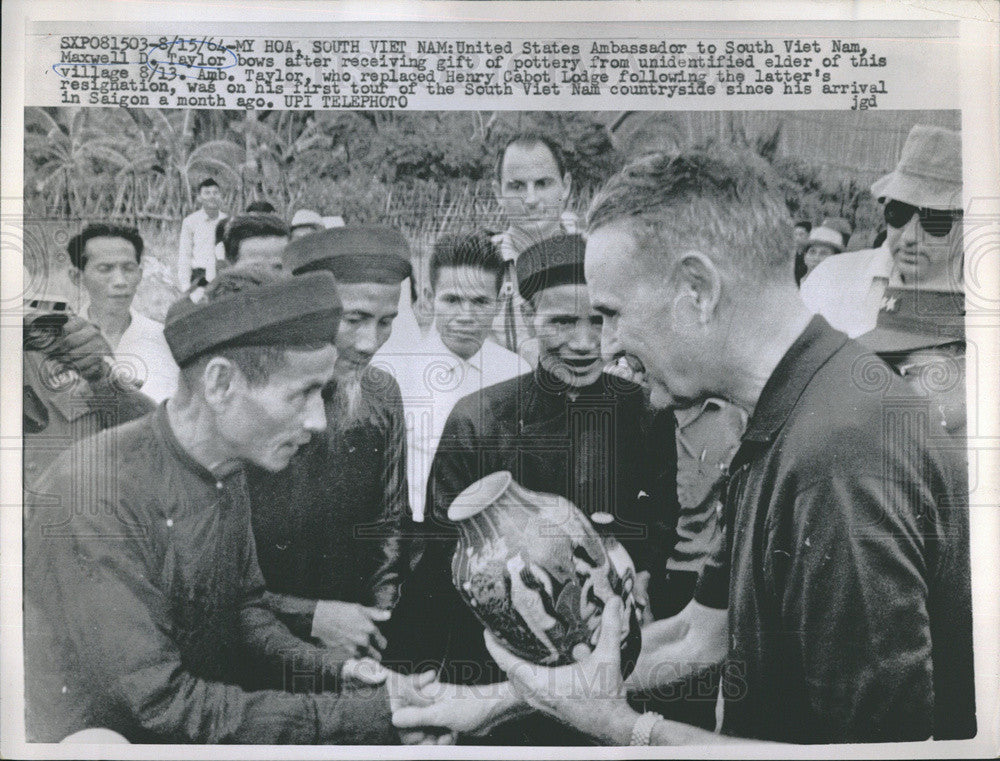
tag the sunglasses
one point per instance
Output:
(936, 222)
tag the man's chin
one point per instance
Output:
(577, 378)
(462, 344)
(348, 371)
(279, 460)
(538, 228)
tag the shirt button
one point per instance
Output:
(170, 522)
(218, 485)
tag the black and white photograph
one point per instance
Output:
(502, 428)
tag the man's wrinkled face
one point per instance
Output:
(922, 258)
(210, 198)
(531, 191)
(369, 309)
(111, 273)
(569, 334)
(465, 304)
(641, 319)
(264, 251)
(266, 424)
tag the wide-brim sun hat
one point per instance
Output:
(827, 237)
(929, 172)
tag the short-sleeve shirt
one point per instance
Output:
(142, 355)
(847, 289)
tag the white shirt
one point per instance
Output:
(143, 355)
(197, 246)
(847, 289)
(432, 379)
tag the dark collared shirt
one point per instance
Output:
(144, 608)
(848, 527)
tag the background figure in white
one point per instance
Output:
(196, 255)
(105, 266)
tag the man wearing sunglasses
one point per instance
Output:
(923, 246)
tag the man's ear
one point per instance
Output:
(699, 285)
(75, 276)
(497, 190)
(528, 313)
(221, 379)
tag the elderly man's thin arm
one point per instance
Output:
(269, 637)
(100, 595)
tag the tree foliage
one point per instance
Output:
(143, 165)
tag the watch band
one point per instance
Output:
(642, 731)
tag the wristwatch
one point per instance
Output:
(642, 730)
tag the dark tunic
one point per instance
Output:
(329, 527)
(601, 449)
(849, 595)
(144, 608)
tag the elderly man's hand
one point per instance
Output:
(350, 627)
(589, 695)
(416, 690)
(468, 710)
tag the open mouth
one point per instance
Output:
(580, 364)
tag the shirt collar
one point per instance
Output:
(810, 351)
(215, 475)
(507, 251)
(438, 349)
(134, 319)
(567, 224)
(688, 415)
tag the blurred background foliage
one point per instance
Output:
(427, 172)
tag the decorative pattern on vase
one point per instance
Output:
(536, 574)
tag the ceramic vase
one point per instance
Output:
(536, 574)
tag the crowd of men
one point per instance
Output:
(245, 538)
